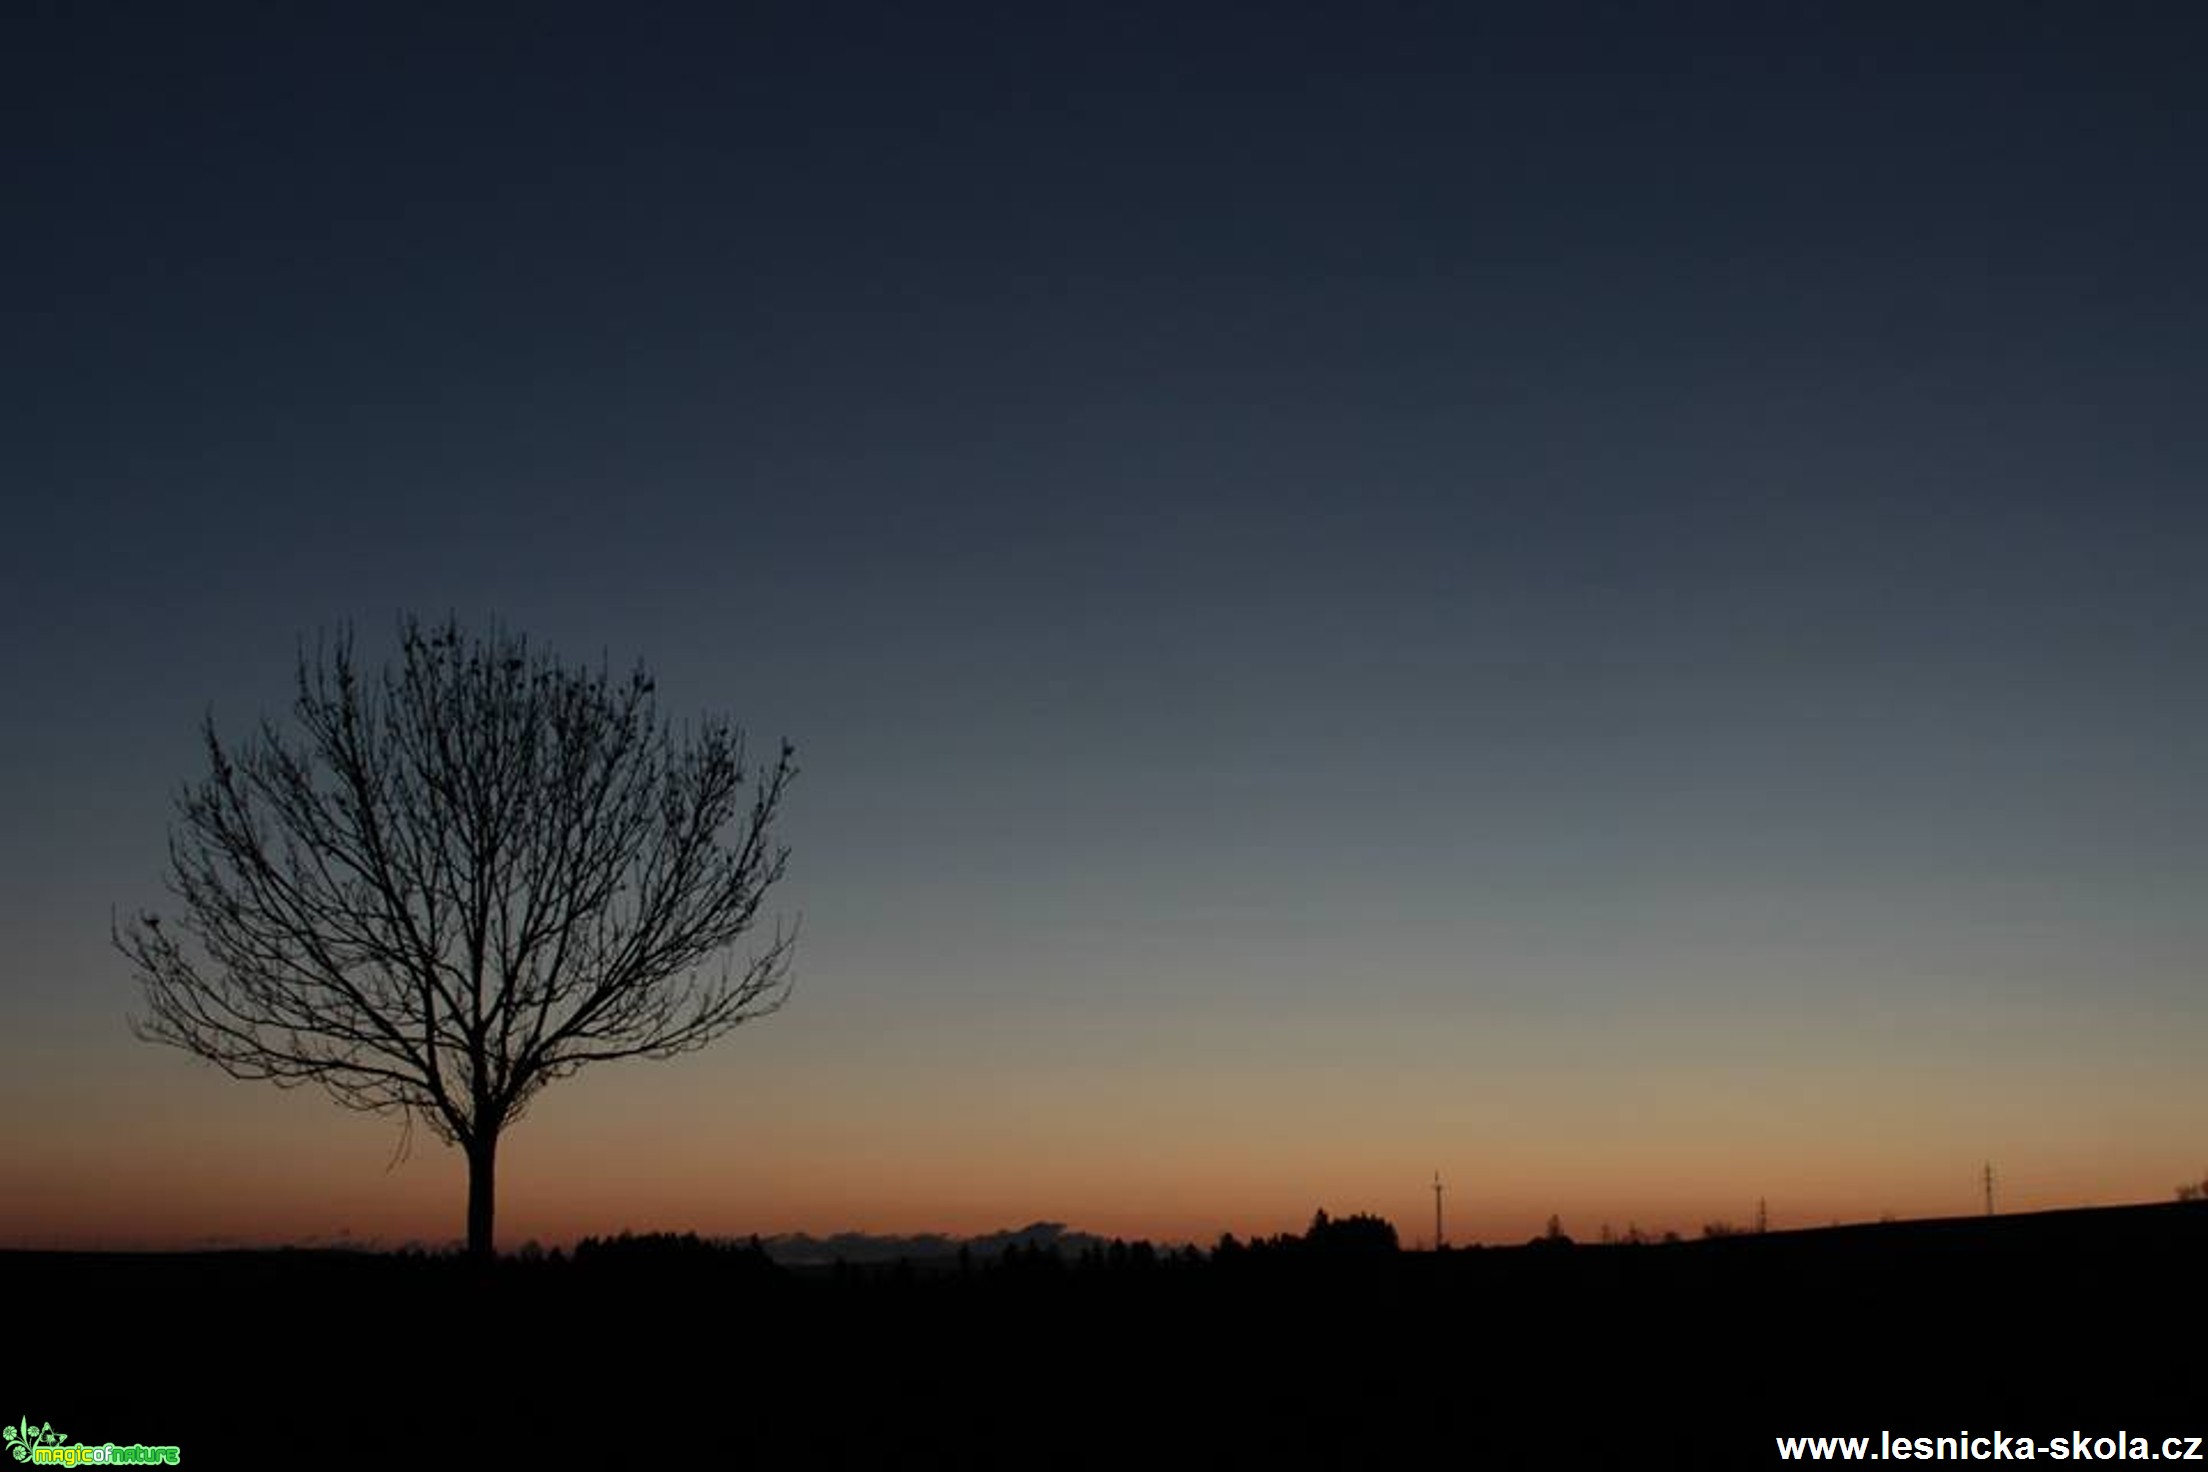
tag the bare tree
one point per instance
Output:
(458, 880)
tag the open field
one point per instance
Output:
(1694, 1354)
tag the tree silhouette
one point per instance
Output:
(459, 880)
(1359, 1234)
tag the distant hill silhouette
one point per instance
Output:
(801, 1249)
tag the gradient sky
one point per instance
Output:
(1605, 599)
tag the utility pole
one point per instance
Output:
(1439, 1240)
(1989, 1188)
(1763, 1216)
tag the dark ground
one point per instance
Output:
(1688, 1355)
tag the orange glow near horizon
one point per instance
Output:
(1179, 1141)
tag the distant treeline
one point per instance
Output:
(1044, 1246)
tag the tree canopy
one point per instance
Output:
(446, 884)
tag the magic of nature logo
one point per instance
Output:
(46, 1447)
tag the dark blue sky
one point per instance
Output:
(1430, 512)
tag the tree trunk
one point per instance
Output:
(482, 1163)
